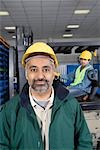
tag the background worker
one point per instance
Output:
(80, 82)
(43, 116)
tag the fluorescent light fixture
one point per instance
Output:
(82, 11)
(67, 35)
(14, 37)
(4, 13)
(10, 28)
(73, 26)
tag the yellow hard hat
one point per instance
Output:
(86, 55)
(95, 53)
(39, 47)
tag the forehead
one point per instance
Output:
(40, 61)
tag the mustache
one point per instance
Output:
(36, 80)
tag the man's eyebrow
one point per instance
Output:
(46, 66)
(32, 66)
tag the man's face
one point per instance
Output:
(40, 73)
(84, 62)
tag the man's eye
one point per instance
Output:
(46, 70)
(33, 70)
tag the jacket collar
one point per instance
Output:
(60, 90)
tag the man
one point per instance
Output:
(43, 116)
(81, 84)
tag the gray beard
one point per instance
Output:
(40, 88)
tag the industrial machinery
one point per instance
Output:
(4, 71)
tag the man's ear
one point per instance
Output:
(26, 74)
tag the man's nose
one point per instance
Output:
(40, 74)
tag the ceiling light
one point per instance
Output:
(73, 26)
(82, 11)
(67, 35)
(10, 28)
(4, 13)
(14, 37)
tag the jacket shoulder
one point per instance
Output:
(73, 103)
(10, 105)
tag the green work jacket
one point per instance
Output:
(19, 129)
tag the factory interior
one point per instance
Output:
(68, 26)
